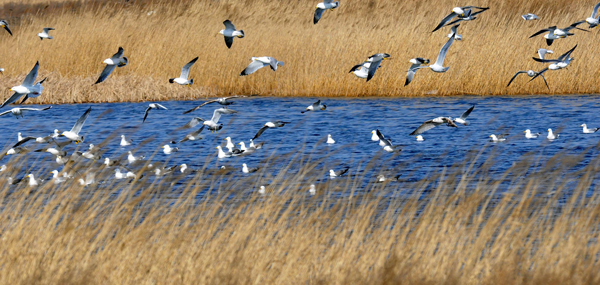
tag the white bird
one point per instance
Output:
(529, 17)
(529, 135)
(19, 111)
(554, 33)
(110, 163)
(195, 135)
(111, 63)
(312, 190)
(225, 101)
(260, 62)
(561, 62)
(124, 141)
(322, 7)
(269, 125)
(368, 68)
(222, 154)
(245, 169)
(262, 190)
(120, 175)
(185, 72)
(213, 123)
(542, 52)
(330, 140)
(498, 138)
(57, 179)
(4, 25)
(230, 32)
(463, 117)
(32, 181)
(594, 20)
(19, 137)
(529, 73)
(73, 134)
(27, 88)
(315, 107)
(588, 131)
(438, 66)
(339, 172)
(551, 135)
(131, 158)
(3, 168)
(420, 138)
(229, 144)
(153, 106)
(90, 178)
(44, 34)
(462, 13)
(387, 143)
(428, 125)
(453, 31)
(167, 149)
(416, 63)
(374, 136)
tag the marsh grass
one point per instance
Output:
(533, 224)
(159, 37)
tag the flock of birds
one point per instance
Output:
(54, 144)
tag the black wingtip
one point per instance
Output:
(171, 80)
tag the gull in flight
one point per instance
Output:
(463, 117)
(212, 124)
(73, 134)
(375, 62)
(44, 35)
(195, 135)
(453, 32)
(555, 33)
(561, 62)
(428, 125)
(462, 13)
(321, 7)
(416, 64)
(387, 143)
(268, 125)
(588, 131)
(27, 88)
(315, 107)
(153, 106)
(338, 173)
(529, 135)
(529, 73)
(361, 70)
(594, 20)
(438, 66)
(185, 72)
(230, 32)
(225, 101)
(529, 17)
(498, 138)
(542, 52)
(551, 135)
(19, 111)
(4, 25)
(260, 62)
(116, 60)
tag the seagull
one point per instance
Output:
(420, 138)
(428, 125)
(529, 135)
(185, 72)
(374, 136)
(498, 138)
(32, 181)
(322, 7)
(110, 163)
(561, 62)
(260, 62)
(462, 13)
(315, 107)
(529, 17)
(454, 33)
(529, 73)
(27, 87)
(555, 33)
(375, 61)
(594, 20)
(312, 190)
(416, 64)
(338, 173)
(262, 190)
(225, 101)
(212, 124)
(330, 140)
(120, 175)
(195, 135)
(153, 106)
(167, 149)
(387, 143)
(57, 179)
(551, 135)
(131, 158)
(124, 141)
(463, 117)
(251, 148)
(73, 134)
(276, 124)
(381, 178)
(438, 66)
(542, 52)
(116, 60)
(19, 111)
(229, 145)
(245, 169)
(589, 131)
(4, 25)
(44, 34)
(230, 32)
(222, 154)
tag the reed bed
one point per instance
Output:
(533, 224)
(160, 36)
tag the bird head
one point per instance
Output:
(324, 107)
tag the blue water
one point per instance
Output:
(349, 121)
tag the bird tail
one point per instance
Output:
(171, 80)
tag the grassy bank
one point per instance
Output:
(159, 37)
(460, 226)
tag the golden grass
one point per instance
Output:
(318, 57)
(461, 226)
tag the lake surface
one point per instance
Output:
(349, 121)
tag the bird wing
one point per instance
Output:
(229, 25)
(567, 54)
(217, 114)
(444, 51)
(478, 12)
(146, 114)
(428, 125)
(454, 28)
(7, 29)
(541, 32)
(273, 63)
(574, 26)
(262, 130)
(252, 67)
(161, 106)
(198, 107)
(318, 14)
(48, 29)
(228, 41)
(35, 109)
(595, 12)
(546, 60)
(327, 1)
(79, 124)
(4, 113)
(515, 76)
(185, 71)
(192, 123)
(30, 79)
(119, 53)
(374, 65)
(24, 140)
(467, 113)
(105, 73)
(538, 74)
(546, 82)
(11, 99)
(444, 21)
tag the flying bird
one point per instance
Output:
(542, 52)
(153, 106)
(322, 7)
(529, 73)
(73, 134)
(19, 111)
(416, 64)
(387, 143)
(315, 107)
(44, 35)
(529, 17)
(438, 66)
(260, 62)
(454, 33)
(4, 25)
(375, 62)
(225, 101)
(594, 20)
(554, 33)
(212, 124)
(268, 125)
(116, 60)
(428, 125)
(27, 88)
(561, 62)
(185, 72)
(230, 32)
(463, 117)
(465, 13)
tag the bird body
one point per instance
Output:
(260, 62)
(73, 134)
(530, 135)
(315, 107)
(420, 138)
(322, 7)
(338, 173)
(551, 135)
(222, 154)
(498, 138)
(124, 141)
(185, 72)
(167, 149)
(245, 169)
(330, 140)
(44, 34)
(213, 122)
(4, 25)
(588, 131)
(529, 17)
